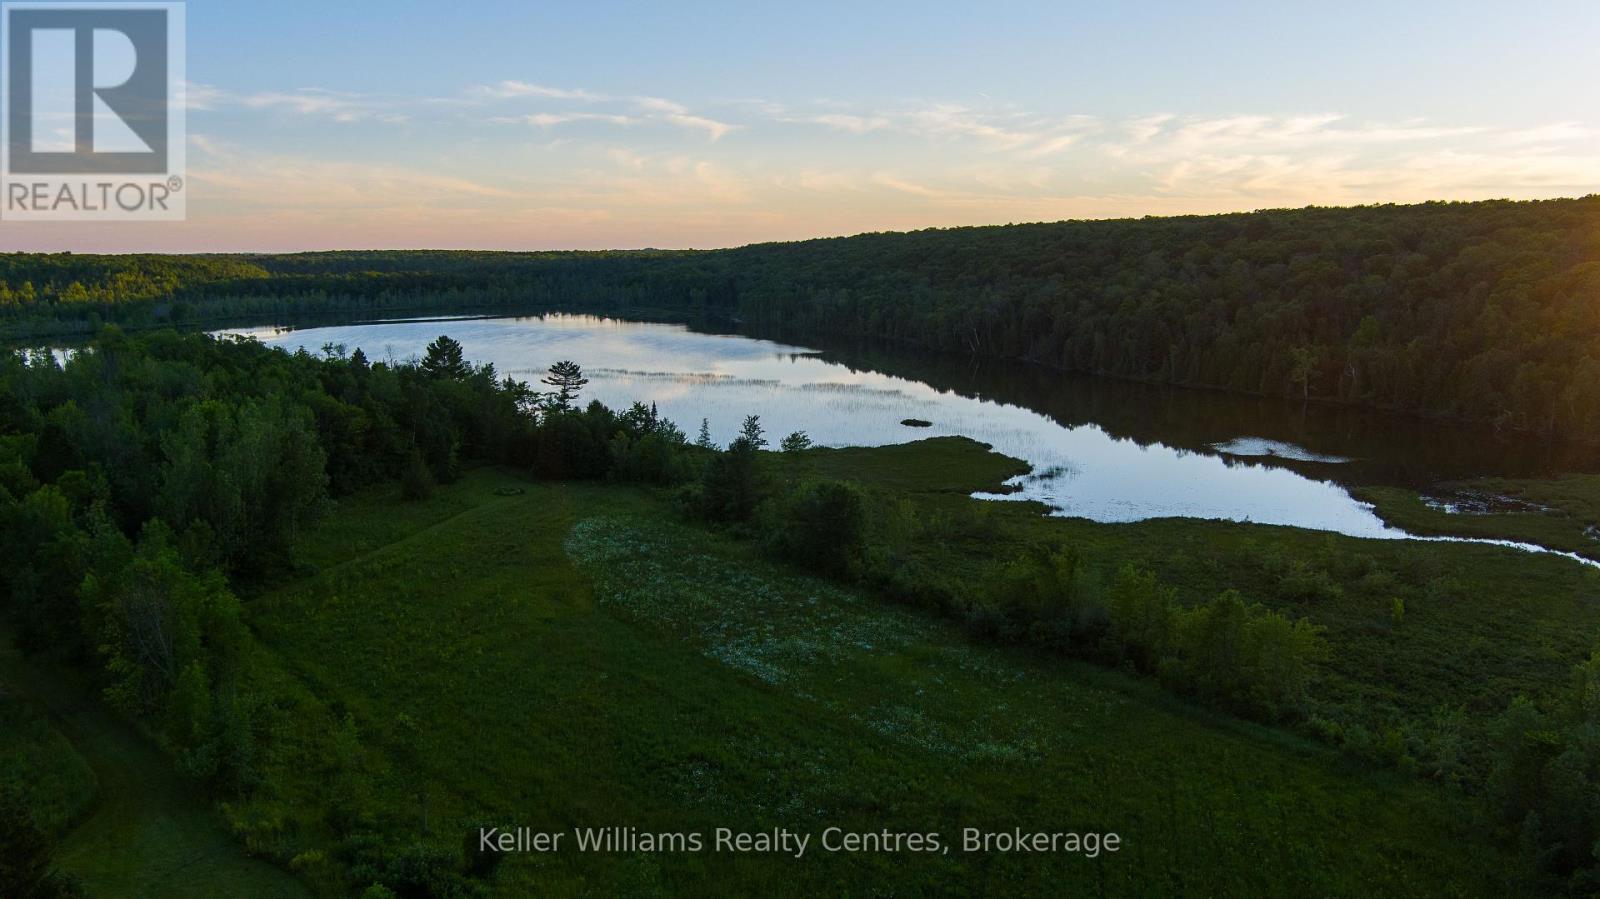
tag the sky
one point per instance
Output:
(537, 125)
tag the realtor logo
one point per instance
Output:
(93, 119)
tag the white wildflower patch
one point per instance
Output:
(896, 672)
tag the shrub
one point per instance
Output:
(730, 486)
(822, 526)
(1246, 655)
(1142, 616)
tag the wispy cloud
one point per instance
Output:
(505, 90)
(610, 164)
(338, 106)
(1557, 133)
(713, 128)
(1002, 129)
(548, 119)
(628, 110)
(854, 124)
(892, 182)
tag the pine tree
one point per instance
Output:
(751, 432)
(445, 360)
(567, 378)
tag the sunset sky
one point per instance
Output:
(538, 125)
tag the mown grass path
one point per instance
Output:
(148, 834)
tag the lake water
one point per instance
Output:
(1102, 450)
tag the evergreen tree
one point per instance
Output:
(751, 433)
(567, 378)
(445, 359)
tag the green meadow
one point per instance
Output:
(512, 653)
(516, 653)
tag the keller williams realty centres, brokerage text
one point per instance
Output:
(631, 840)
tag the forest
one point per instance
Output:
(1482, 312)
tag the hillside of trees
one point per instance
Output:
(1480, 312)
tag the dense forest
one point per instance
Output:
(1483, 312)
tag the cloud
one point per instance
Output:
(548, 119)
(1328, 158)
(1050, 146)
(1001, 130)
(661, 167)
(1557, 133)
(854, 124)
(256, 181)
(894, 183)
(947, 119)
(510, 89)
(1263, 134)
(713, 128)
(639, 109)
(336, 105)
(198, 96)
(656, 104)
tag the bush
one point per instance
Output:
(822, 526)
(730, 486)
(1142, 616)
(417, 871)
(1246, 655)
(1545, 780)
(1040, 597)
(1302, 581)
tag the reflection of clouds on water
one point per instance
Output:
(1081, 470)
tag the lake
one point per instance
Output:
(1104, 450)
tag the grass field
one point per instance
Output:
(558, 655)
(571, 656)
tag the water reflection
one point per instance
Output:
(1080, 469)
(1369, 447)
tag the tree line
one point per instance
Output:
(1480, 312)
